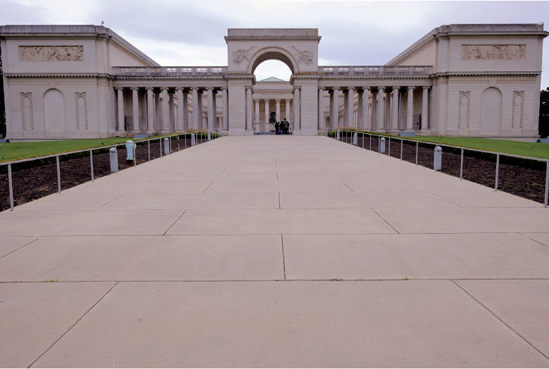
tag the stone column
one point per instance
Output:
(185, 104)
(211, 112)
(425, 109)
(394, 114)
(277, 110)
(380, 108)
(150, 111)
(297, 110)
(349, 122)
(120, 100)
(410, 109)
(171, 105)
(135, 110)
(165, 112)
(321, 121)
(365, 109)
(256, 103)
(334, 113)
(214, 93)
(180, 109)
(249, 109)
(158, 109)
(197, 110)
(288, 110)
(225, 109)
(267, 112)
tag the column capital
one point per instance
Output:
(426, 87)
(119, 88)
(351, 88)
(396, 88)
(278, 100)
(410, 88)
(134, 88)
(381, 88)
(164, 88)
(210, 88)
(335, 88)
(366, 88)
(149, 88)
(179, 88)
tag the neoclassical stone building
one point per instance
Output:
(86, 81)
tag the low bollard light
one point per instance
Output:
(355, 139)
(209, 136)
(193, 139)
(382, 145)
(130, 150)
(438, 158)
(113, 155)
(338, 135)
(218, 132)
(166, 146)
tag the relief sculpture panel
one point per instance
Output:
(493, 52)
(51, 53)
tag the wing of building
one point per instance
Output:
(86, 81)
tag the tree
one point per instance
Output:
(544, 113)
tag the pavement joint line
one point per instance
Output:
(282, 280)
(501, 320)
(283, 257)
(224, 169)
(170, 227)
(346, 185)
(533, 239)
(208, 187)
(72, 326)
(451, 202)
(124, 194)
(279, 201)
(389, 224)
(19, 248)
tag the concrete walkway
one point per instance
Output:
(275, 251)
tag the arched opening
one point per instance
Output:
(54, 111)
(490, 110)
(273, 95)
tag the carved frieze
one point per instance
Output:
(240, 55)
(305, 56)
(493, 52)
(27, 117)
(51, 53)
(81, 111)
(518, 108)
(464, 109)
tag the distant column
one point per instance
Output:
(278, 110)
(225, 109)
(321, 121)
(425, 109)
(150, 111)
(380, 108)
(211, 111)
(256, 103)
(297, 109)
(135, 110)
(196, 109)
(158, 110)
(185, 104)
(288, 110)
(349, 108)
(394, 114)
(410, 109)
(120, 101)
(249, 109)
(267, 113)
(365, 109)
(165, 112)
(180, 110)
(171, 107)
(334, 113)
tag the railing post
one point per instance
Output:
(58, 175)
(362, 139)
(178, 149)
(160, 143)
(149, 149)
(546, 183)
(389, 149)
(461, 167)
(497, 172)
(10, 184)
(91, 163)
(417, 151)
(401, 146)
(370, 142)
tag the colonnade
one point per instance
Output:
(167, 110)
(377, 108)
(279, 102)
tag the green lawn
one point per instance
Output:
(530, 149)
(23, 150)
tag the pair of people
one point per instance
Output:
(282, 128)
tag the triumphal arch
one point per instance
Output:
(84, 81)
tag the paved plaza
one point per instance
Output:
(275, 252)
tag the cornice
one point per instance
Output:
(486, 74)
(58, 75)
(272, 38)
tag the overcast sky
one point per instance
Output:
(353, 32)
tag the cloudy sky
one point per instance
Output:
(353, 32)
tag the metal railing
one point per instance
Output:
(376, 142)
(139, 157)
(169, 71)
(377, 70)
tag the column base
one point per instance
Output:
(165, 133)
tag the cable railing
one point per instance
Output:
(524, 176)
(29, 179)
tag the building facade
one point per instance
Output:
(88, 82)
